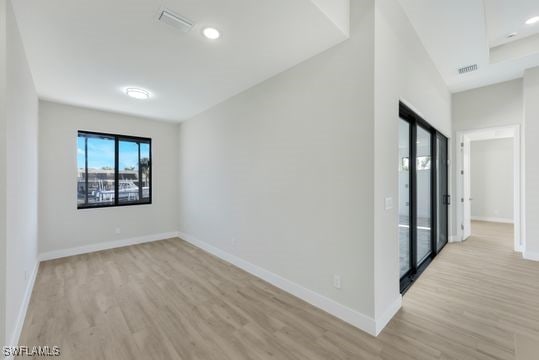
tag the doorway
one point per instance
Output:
(469, 206)
(423, 194)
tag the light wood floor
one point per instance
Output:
(169, 300)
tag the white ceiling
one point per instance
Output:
(458, 33)
(86, 52)
(508, 16)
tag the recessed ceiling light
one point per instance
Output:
(211, 33)
(137, 93)
(532, 20)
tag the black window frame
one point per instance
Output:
(415, 121)
(117, 139)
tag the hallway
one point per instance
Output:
(476, 301)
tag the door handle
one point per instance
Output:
(447, 199)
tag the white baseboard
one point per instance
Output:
(14, 341)
(382, 322)
(528, 255)
(352, 317)
(57, 254)
(453, 239)
(493, 219)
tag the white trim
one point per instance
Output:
(24, 308)
(518, 190)
(352, 317)
(57, 254)
(522, 165)
(528, 255)
(382, 322)
(454, 239)
(458, 187)
(510, 131)
(493, 219)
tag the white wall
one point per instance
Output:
(283, 174)
(285, 170)
(3, 172)
(491, 106)
(61, 225)
(403, 71)
(21, 170)
(491, 175)
(531, 128)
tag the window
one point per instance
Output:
(113, 170)
(423, 163)
(405, 164)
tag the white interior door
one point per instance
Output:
(466, 200)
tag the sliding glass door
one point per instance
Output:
(423, 195)
(442, 192)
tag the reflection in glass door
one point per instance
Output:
(423, 194)
(423, 199)
(404, 198)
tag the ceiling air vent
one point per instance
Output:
(179, 22)
(467, 69)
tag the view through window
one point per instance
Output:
(113, 170)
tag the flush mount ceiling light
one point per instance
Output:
(137, 93)
(211, 33)
(532, 20)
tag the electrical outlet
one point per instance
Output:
(337, 281)
(118, 230)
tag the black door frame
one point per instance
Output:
(446, 197)
(414, 120)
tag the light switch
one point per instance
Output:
(389, 203)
